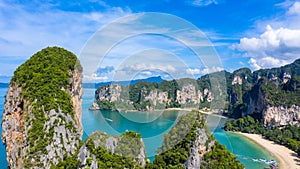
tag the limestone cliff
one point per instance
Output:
(99, 146)
(198, 149)
(149, 98)
(269, 94)
(279, 115)
(76, 98)
(276, 104)
(41, 122)
(13, 125)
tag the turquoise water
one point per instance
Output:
(3, 162)
(243, 148)
(152, 126)
(113, 122)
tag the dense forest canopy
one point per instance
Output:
(288, 136)
(280, 86)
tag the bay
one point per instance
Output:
(152, 126)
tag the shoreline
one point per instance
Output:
(169, 109)
(286, 158)
(204, 112)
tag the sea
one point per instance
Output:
(152, 126)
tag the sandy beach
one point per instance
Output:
(191, 109)
(287, 158)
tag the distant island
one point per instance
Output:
(156, 79)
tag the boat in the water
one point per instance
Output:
(107, 119)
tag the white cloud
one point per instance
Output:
(241, 63)
(95, 78)
(143, 42)
(203, 2)
(147, 73)
(141, 67)
(193, 71)
(204, 71)
(294, 9)
(254, 64)
(274, 47)
(208, 70)
(279, 42)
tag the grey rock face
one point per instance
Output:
(188, 95)
(111, 144)
(12, 125)
(76, 98)
(282, 115)
(198, 149)
(273, 115)
(66, 131)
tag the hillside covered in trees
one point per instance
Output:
(41, 121)
(261, 93)
(288, 136)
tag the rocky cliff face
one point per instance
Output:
(13, 125)
(156, 97)
(267, 98)
(198, 149)
(35, 136)
(125, 145)
(279, 115)
(270, 94)
(188, 94)
(111, 93)
(67, 131)
(76, 98)
(265, 92)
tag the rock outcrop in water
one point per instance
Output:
(41, 122)
(112, 95)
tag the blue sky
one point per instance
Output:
(255, 34)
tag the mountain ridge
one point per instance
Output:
(273, 87)
(156, 79)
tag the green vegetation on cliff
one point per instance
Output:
(127, 146)
(45, 80)
(276, 86)
(126, 151)
(174, 153)
(177, 144)
(43, 76)
(134, 96)
(288, 136)
(286, 94)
